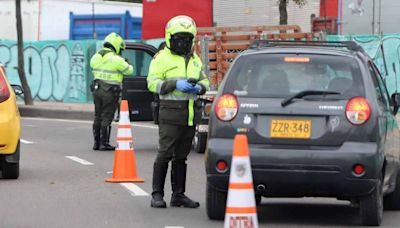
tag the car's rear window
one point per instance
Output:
(280, 75)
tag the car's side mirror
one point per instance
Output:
(17, 89)
(396, 102)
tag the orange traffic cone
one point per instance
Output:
(241, 208)
(124, 156)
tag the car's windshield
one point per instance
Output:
(282, 75)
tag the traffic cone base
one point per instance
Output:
(124, 158)
(241, 210)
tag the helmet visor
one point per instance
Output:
(181, 43)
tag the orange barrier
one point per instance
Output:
(124, 158)
(241, 210)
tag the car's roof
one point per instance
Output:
(300, 50)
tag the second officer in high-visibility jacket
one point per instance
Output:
(176, 75)
(108, 68)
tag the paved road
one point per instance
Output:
(62, 185)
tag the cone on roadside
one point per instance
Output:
(241, 210)
(124, 155)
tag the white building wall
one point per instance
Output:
(8, 23)
(362, 19)
(53, 21)
(262, 12)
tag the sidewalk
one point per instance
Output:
(58, 110)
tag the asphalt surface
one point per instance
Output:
(55, 191)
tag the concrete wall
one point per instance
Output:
(30, 17)
(49, 19)
(56, 70)
(360, 17)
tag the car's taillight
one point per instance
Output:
(4, 91)
(358, 110)
(226, 107)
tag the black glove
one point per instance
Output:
(126, 60)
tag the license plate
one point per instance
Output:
(202, 128)
(296, 129)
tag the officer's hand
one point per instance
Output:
(195, 89)
(183, 85)
(126, 60)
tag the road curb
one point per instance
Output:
(33, 111)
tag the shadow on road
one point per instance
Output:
(308, 214)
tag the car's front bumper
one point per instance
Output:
(290, 172)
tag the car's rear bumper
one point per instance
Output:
(10, 129)
(289, 172)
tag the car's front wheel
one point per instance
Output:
(371, 206)
(10, 170)
(215, 203)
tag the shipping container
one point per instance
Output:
(98, 26)
(49, 19)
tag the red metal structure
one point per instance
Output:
(331, 8)
(156, 14)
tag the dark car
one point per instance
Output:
(134, 88)
(319, 121)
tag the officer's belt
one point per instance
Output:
(174, 104)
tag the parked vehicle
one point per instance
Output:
(319, 121)
(134, 88)
(10, 128)
(200, 137)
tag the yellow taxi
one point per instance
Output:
(10, 128)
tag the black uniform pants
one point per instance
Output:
(175, 142)
(105, 104)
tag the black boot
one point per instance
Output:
(105, 138)
(96, 136)
(159, 173)
(178, 182)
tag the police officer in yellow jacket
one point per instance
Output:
(108, 68)
(176, 75)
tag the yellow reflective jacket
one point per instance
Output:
(109, 67)
(176, 107)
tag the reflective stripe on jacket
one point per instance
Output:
(109, 67)
(167, 66)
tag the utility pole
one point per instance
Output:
(21, 71)
(94, 22)
(325, 16)
(373, 17)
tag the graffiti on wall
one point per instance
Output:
(387, 61)
(55, 71)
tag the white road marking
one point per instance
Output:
(26, 141)
(134, 189)
(151, 126)
(79, 160)
(145, 126)
(109, 172)
(29, 125)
